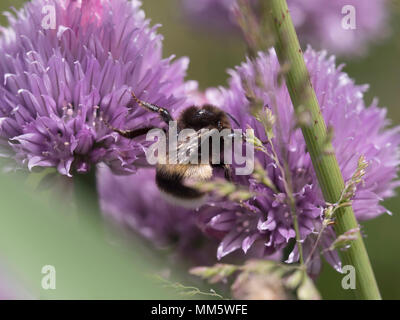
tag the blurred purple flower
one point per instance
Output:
(320, 23)
(58, 86)
(210, 14)
(135, 202)
(358, 130)
(317, 22)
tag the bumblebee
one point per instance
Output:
(171, 179)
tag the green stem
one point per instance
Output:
(86, 196)
(310, 255)
(287, 181)
(325, 164)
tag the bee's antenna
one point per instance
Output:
(164, 113)
(233, 118)
(138, 101)
(146, 105)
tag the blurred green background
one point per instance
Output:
(212, 54)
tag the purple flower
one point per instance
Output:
(59, 87)
(135, 202)
(317, 22)
(358, 130)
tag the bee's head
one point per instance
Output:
(205, 117)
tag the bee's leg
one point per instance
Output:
(164, 113)
(131, 134)
(227, 170)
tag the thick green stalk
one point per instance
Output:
(315, 134)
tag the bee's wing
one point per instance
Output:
(187, 151)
